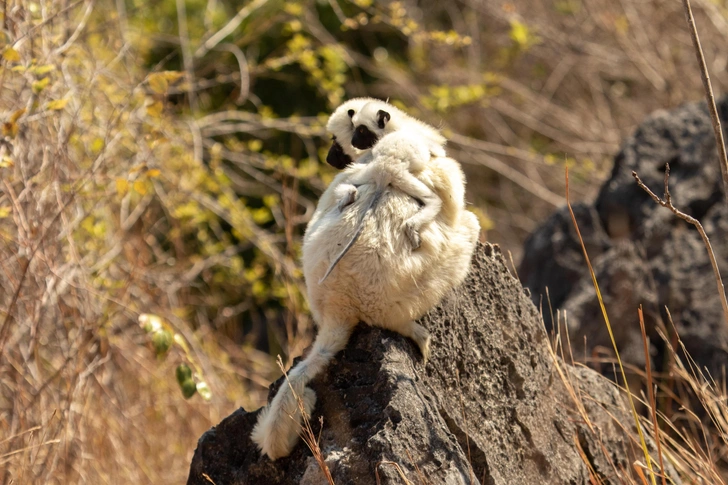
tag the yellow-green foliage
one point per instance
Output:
(162, 158)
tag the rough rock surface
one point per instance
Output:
(491, 384)
(642, 253)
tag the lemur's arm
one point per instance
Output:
(431, 205)
(332, 195)
(346, 193)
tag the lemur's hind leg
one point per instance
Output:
(431, 205)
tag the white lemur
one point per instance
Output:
(343, 127)
(381, 282)
(431, 181)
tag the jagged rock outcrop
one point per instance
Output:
(491, 385)
(642, 253)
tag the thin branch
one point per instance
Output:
(184, 41)
(243, 69)
(514, 176)
(79, 28)
(229, 28)
(667, 202)
(723, 157)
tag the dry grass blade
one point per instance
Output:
(207, 477)
(593, 477)
(570, 388)
(306, 433)
(421, 476)
(31, 430)
(651, 394)
(15, 452)
(396, 466)
(723, 157)
(465, 423)
(643, 442)
(668, 204)
(638, 469)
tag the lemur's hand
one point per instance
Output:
(347, 194)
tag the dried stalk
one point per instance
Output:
(668, 204)
(722, 156)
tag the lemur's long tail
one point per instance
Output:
(279, 423)
(360, 225)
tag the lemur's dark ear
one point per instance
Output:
(382, 118)
(351, 113)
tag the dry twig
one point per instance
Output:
(306, 432)
(723, 157)
(667, 202)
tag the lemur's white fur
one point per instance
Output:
(395, 162)
(381, 282)
(398, 120)
(411, 159)
(341, 125)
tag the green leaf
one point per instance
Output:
(40, 85)
(189, 388)
(159, 81)
(122, 186)
(155, 109)
(140, 187)
(162, 341)
(58, 104)
(11, 55)
(42, 70)
(183, 373)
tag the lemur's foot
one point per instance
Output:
(422, 338)
(347, 195)
(413, 235)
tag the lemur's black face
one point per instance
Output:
(363, 138)
(337, 158)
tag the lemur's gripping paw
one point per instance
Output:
(422, 338)
(347, 195)
(413, 235)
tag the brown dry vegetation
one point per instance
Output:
(157, 166)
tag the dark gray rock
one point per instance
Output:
(552, 257)
(625, 283)
(650, 258)
(491, 385)
(683, 138)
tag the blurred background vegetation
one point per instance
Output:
(161, 158)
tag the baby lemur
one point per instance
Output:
(429, 176)
(382, 281)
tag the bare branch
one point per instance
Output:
(667, 202)
(184, 41)
(229, 27)
(722, 156)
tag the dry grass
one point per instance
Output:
(107, 210)
(83, 252)
(306, 431)
(692, 446)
